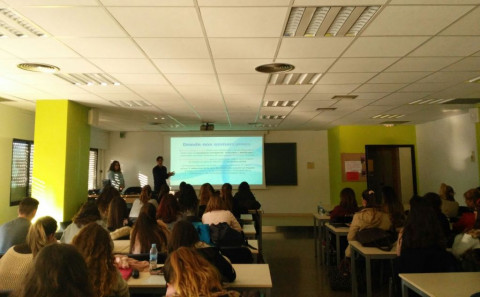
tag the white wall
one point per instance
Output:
(14, 123)
(138, 150)
(444, 148)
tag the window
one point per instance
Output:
(92, 169)
(22, 170)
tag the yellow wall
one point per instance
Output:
(60, 170)
(352, 139)
(19, 124)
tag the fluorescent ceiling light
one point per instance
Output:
(293, 20)
(339, 20)
(316, 22)
(362, 20)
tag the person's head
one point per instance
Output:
(191, 274)
(146, 194)
(244, 186)
(471, 197)
(160, 161)
(368, 199)
(183, 234)
(168, 209)
(104, 199)
(434, 200)
(443, 190)
(227, 190)
(96, 247)
(116, 213)
(205, 191)
(87, 213)
(58, 270)
(181, 186)
(41, 233)
(147, 231)
(348, 200)
(28, 208)
(188, 199)
(215, 203)
(449, 193)
(115, 166)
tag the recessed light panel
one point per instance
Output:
(294, 78)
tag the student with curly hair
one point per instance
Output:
(148, 230)
(88, 213)
(18, 260)
(188, 274)
(115, 176)
(96, 247)
(58, 270)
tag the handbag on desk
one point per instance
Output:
(376, 237)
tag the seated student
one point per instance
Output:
(227, 196)
(369, 217)
(18, 260)
(421, 243)
(185, 234)
(58, 270)
(188, 203)
(96, 247)
(148, 230)
(145, 197)
(188, 274)
(393, 207)
(168, 211)
(244, 200)
(436, 203)
(343, 213)
(117, 213)
(467, 220)
(449, 205)
(88, 213)
(216, 212)
(103, 200)
(206, 190)
(15, 231)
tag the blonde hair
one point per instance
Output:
(191, 274)
(96, 247)
(39, 233)
(215, 203)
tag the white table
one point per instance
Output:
(249, 231)
(246, 217)
(441, 284)
(319, 221)
(338, 232)
(249, 276)
(369, 253)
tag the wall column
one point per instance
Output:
(60, 162)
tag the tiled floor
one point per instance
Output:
(295, 272)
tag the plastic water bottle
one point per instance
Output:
(320, 209)
(153, 256)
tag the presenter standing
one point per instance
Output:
(160, 174)
(115, 176)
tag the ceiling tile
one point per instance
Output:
(283, 97)
(446, 46)
(243, 89)
(437, 2)
(31, 48)
(148, 2)
(421, 64)
(414, 20)
(355, 103)
(400, 98)
(337, 89)
(426, 87)
(125, 65)
(383, 46)
(243, 2)
(244, 21)
(345, 78)
(52, 2)
(243, 79)
(141, 79)
(361, 64)
(313, 47)
(398, 77)
(152, 91)
(192, 79)
(288, 89)
(100, 90)
(243, 47)
(71, 21)
(200, 91)
(174, 47)
(379, 88)
(71, 65)
(312, 105)
(121, 96)
(184, 65)
(468, 25)
(465, 90)
(467, 64)
(158, 21)
(322, 96)
(308, 65)
(337, 2)
(239, 65)
(450, 77)
(104, 47)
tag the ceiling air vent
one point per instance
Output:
(388, 116)
(274, 68)
(294, 78)
(328, 21)
(289, 103)
(14, 25)
(131, 103)
(348, 97)
(466, 101)
(36, 67)
(326, 109)
(89, 79)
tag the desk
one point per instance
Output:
(369, 253)
(338, 232)
(249, 276)
(257, 218)
(319, 221)
(441, 284)
(246, 217)
(249, 231)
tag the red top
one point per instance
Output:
(466, 222)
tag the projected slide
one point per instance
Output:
(216, 160)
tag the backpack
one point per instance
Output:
(223, 235)
(376, 237)
(203, 231)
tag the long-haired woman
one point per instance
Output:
(216, 212)
(115, 176)
(206, 190)
(117, 214)
(188, 203)
(148, 230)
(88, 213)
(343, 212)
(17, 261)
(145, 197)
(96, 247)
(227, 196)
(168, 211)
(394, 207)
(188, 274)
